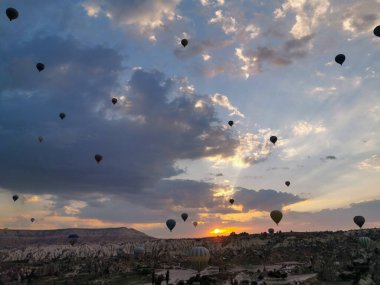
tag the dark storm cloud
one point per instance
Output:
(264, 200)
(79, 81)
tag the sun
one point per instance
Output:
(217, 231)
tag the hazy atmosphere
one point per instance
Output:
(166, 145)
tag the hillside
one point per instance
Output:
(22, 238)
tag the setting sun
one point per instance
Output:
(220, 231)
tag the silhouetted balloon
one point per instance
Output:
(62, 115)
(12, 13)
(98, 158)
(376, 31)
(32, 220)
(184, 42)
(195, 224)
(184, 217)
(231, 123)
(273, 139)
(199, 257)
(114, 101)
(40, 66)
(40, 139)
(170, 224)
(232, 201)
(271, 231)
(359, 221)
(276, 216)
(73, 238)
(340, 58)
(15, 198)
(287, 183)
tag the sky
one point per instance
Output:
(167, 148)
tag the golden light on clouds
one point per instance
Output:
(220, 231)
(244, 217)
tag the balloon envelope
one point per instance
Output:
(40, 66)
(184, 42)
(271, 231)
(273, 139)
(287, 183)
(40, 139)
(12, 13)
(62, 115)
(199, 257)
(98, 158)
(231, 123)
(232, 201)
(376, 31)
(73, 238)
(32, 220)
(195, 224)
(15, 198)
(276, 216)
(184, 216)
(359, 221)
(114, 101)
(365, 242)
(340, 58)
(170, 224)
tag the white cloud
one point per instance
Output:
(303, 128)
(74, 207)
(249, 66)
(206, 56)
(92, 9)
(308, 15)
(212, 2)
(372, 163)
(222, 100)
(229, 24)
(361, 17)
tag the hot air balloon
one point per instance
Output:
(184, 216)
(271, 231)
(359, 221)
(32, 220)
(340, 58)
(40, 139)
(40, 66)
(12, 13)
(62, 115)
(195, 224)
(170, 224)
(232, 201)
(138, 252)
(273, 139)
(199, 257)
(365, 242)
(15, 198)
(114, 101)
(231, 123)
(276, 216)
(287, 183)
(376, 31)
(184, 42)
(73, 238)
(98, 158)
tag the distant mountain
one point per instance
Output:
(21, 238)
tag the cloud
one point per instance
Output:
(140, 138)
(212, 2)
(303, 128)
(222, 100)
(330, 157)
(144, 14)
(371, 163)
(360, 18)
(308, 15)
(264, 200)
(228, 23)
(253, 60)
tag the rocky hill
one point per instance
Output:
(25, 238)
